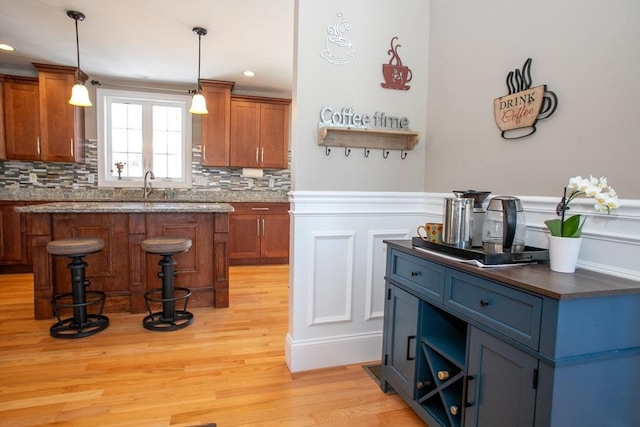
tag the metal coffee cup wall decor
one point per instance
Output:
(396, 75)
(516, 114)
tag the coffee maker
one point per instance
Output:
(478, 213)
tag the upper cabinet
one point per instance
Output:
(61, 124)
(39, 123)
(259, 132)
(22, 118)
(3, 144)
(216, 124)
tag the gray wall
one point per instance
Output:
(587, 52)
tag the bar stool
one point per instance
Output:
(81, 324)
(169, 319)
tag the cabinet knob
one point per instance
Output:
(454, 409)
(415, 273)
(443, 375)
(484, 303)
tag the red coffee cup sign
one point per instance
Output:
(396, 75)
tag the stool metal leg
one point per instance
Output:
(78, 285)
(168, 305)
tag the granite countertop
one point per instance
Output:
(135, 195)
(536, 278)
(124, 207)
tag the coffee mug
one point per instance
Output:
(396, 76)
(433, 232)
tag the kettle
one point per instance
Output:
(504, 227)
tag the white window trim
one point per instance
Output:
(104, 171)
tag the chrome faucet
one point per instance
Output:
(150, 175)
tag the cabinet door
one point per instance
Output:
(502, 387)
(61, 124)
(274, 239)
(22, 119)
(216, 124)
(274, 135)
(12, 235)
(3, 144)
(245, 134)
(244, 236)
(401, 324)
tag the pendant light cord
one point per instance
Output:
(78, 48)
(199, 56)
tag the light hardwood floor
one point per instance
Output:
(226, 368)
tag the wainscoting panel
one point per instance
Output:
(330, 300)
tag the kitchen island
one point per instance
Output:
(122, 269)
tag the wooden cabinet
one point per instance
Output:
(61, 124)
(22, 118)
(3, 141)
(122, 269)
(259, 132)
(401, 324)
(483, 352)
(12, 235)
(39, 122)
(259, 233)
(215, 133)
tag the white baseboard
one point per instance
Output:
(332, 351)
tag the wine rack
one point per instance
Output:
(442, 380)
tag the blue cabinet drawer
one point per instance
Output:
(513, 313)
(423, 277)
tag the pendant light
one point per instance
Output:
(198, 103)
(79, 93)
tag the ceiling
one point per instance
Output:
(151, 41)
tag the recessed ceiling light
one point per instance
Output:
(6, 47)
(249, 73)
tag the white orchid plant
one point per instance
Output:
(598, 189)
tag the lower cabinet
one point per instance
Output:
(259, 233)
(13, 248)
(466, 350)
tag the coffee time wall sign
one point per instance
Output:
(517, 113)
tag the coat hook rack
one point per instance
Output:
(327, 150)
(403, 154)
(347, 151)
(385, 153)
(366, 152)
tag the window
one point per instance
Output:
(141, 131)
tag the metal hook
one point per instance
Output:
(327, 150)
(403, 154)
(347, 151)
(385, 153)
(366, 152)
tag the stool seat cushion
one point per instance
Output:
(75, 246)
(166, 245)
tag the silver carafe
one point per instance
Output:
(478, 213)
(458, 222)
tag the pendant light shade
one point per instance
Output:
(79, 93)
(80, 96)
(198, 103)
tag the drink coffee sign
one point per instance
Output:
(517, 113)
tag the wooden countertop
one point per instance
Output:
(536, 278)
(124, 207)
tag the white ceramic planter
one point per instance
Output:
(563, 253)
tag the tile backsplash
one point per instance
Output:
(15, 174)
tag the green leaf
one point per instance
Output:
(572, 227)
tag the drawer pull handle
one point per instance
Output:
(409, 339)
(415, 273)
(484, 303)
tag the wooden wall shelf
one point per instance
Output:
(367, 138)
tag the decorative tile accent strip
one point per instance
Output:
(15, 178)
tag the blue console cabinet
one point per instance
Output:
(513, 346)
